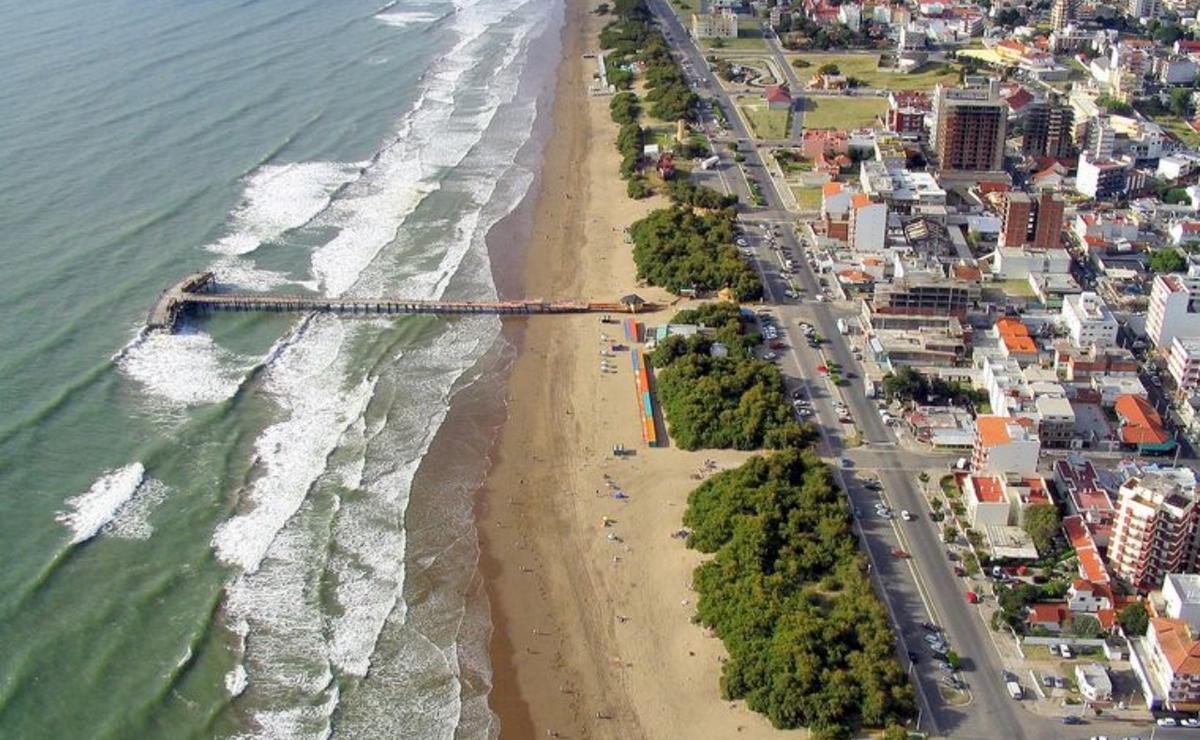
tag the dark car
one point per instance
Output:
(1072, 719)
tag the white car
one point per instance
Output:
(906, 515)
(1167, 722)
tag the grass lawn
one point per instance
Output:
(866, 68)
(807, 198)
(842, 112)
(749, 39)
(1019, 288)
(767, 123)
(1177, 126)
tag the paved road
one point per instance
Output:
(923, 588)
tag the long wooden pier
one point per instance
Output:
(196, 292)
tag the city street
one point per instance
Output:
(922, 588)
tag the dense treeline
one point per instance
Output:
(686, 192)
(680, 249)
(809, 642)
(733, 402)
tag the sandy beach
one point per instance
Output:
(593, 636)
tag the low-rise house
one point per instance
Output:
(778, 97)
(1141, 426)
(1093, 682)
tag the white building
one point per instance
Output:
(1018, 263)
(1004, 445)
(1085, 596)
(1101, 178)
(1181, 593)
(1174, 309)
(1184, 363)
(868, 223)
(1177, 165)
(1089, 320)
(1093, 682)
(1184, 232)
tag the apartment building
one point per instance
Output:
(1166, 659)
(867, 224)
(1101, 178)
(1055, 420)
(1005, 444)
(1174, 309)
(1001, 500)
(1082, 363)
(1089, 321)
(1048, 130)
(1183, 364)
(969, 129)
(1155, 531)
(720, 25)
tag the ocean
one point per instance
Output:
(240, 530)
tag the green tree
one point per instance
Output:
(1041, 524)
(906, 384)
(949, 533)
(894, 732)
(953, 660)
(1085, 626)
(1134, 619)
(624, 108)
(829, 68)
(1167, 260)
(1180, 102)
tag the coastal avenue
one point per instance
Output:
(923, 588)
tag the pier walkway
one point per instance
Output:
(196, 292)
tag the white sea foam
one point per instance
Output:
(305, 380)
(185, 367)
(132, 520)
(278, 198)
(236, 680)
(404, 18)
(241, 274)
(88, 512)
(286, 539)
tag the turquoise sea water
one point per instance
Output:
(209, 533)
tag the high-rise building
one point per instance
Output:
(1018, 215)
(1026, 222)
(969, 129)
(1089, 321)
(1048, 130)
(1155, 530)
(1062, 12)
(1047, 233)
(1101, 178)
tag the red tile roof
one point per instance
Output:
(988, 490)
(1180, 649)
(1047, 613)
(1141, 423)
(777, 94)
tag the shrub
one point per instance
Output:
(637, 188)
(624, 108)
(679, 249)
(799, 653)
(733, 402)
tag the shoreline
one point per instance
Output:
(591, 636)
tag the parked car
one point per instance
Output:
(1167, 722)
(898, 553)
(1072, 719)
(972, 597)
(960, 571)
(906, 515)
(931, 627)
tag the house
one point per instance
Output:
(1093, 682)
(1142, 426)
(1085, 596)
(1047, 615)
(778, 97)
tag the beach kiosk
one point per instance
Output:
(632, 302)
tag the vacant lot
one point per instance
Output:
(866, 68)
(767, 123)
(842, 112)
(807, 198)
